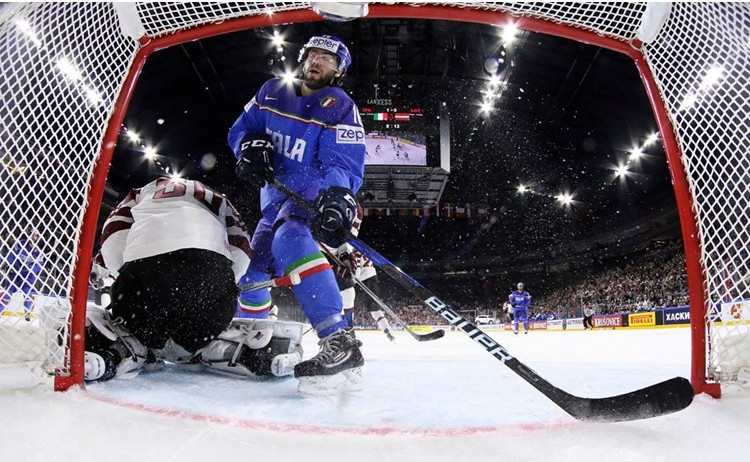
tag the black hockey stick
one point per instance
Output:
(434, 335)
(662, 398)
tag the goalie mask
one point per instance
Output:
(330, 44)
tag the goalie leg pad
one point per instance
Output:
(126, 353)
(98, 318)
(256, 347)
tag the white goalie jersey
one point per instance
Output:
(187, 213)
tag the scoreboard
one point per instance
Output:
(395, 134)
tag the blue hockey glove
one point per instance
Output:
(256, 163)
(337, 210)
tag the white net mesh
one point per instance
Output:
(700, 61)
(161, 18)
(62, 66)
(613, 19)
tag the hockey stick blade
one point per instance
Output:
(419, 337)
(434, 335)
(662, 398)
(659, 399)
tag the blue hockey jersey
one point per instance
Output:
(318, 139)
(520, 299)
(26, 259)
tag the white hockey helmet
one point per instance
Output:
(520, 286)
(331, 44)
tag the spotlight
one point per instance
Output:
(150, 153)
(491, 65)
(621, 171)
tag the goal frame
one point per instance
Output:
(148, 45)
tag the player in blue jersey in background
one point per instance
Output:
(308, 135)
(520, 301)
(22, 267)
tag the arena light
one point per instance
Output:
(133, 136)
(564, 198)
(713, 76)
(278, 39)
(509, 33)
(150, 153)
(522, 189)
(621, 171)
(688, 102)
(287, 77)
(69, 69)
(635, 153)
(26, 28)
(93, 96)
(651, 139)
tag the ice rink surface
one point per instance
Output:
(445, 400)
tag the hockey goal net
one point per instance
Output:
(68, 70)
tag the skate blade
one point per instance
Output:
(326, 385)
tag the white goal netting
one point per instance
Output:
(62, 70)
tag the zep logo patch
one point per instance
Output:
(349, 134)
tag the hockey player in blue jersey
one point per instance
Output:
(308, 135)
(23, 264)
(520, 301)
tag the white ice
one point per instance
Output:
(446, 400)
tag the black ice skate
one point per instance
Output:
(336, 367)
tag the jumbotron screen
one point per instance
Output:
(394, 135)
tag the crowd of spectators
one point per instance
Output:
(654, 281)
(641, 286)
(641, 281)
(416, 313)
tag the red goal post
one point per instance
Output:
(69, 69)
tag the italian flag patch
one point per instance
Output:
(327, 101)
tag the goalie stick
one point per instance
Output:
(659, 399)
(434, 335)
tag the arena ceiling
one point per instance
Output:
(567, 115)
